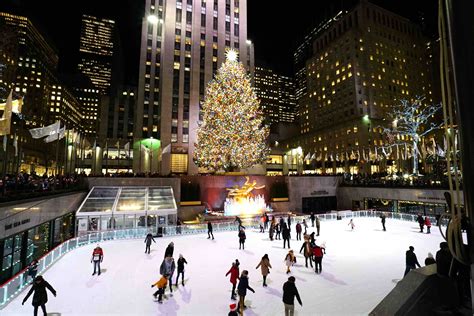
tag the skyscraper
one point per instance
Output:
(96, 51)
(183, 44)
(363, 64)
(276, 94)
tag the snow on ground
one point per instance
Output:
(359, 269)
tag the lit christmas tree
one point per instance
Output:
(232, 135)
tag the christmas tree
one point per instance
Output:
(232, 135)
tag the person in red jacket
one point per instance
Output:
(318, 252)
(97, 258)
(427, 224)
(234, 276)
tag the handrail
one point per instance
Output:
(13, 287)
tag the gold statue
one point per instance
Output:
(245, 191)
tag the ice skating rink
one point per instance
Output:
(359, 269)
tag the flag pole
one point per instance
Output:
(118, 158)
(106, 156)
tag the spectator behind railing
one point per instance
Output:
(395, 180)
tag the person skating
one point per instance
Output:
(298, 231)
(421, 222)
(289, 293)
(312, 219)
(40, 296)
(305, 225)
(282, 222)
(167, 268)
(242, 238)
(148, 239)
(271, 231)
(33, 269)
(382, 217)
(265, 268)
(278, 231)
(289, 221)
(242, 289)
(97, 258)
(161, 285)
(209, 230)
(311, 238)
(169, 250)
(265, 221)
(429, 260)
(318, 223)
(233, 310)
(181, 262)
(262, 220)
(285, 233)
(308, 251)
(318, 252)
(290, 259)
(238, 220)
(351, 224)
(428, 225)
(234, 276)
(411, 260)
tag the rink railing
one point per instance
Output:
(20, 281)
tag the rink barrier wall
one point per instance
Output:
(13, 287)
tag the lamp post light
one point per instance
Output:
(366, 120)
(153, 19)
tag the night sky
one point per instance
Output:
(275, 29)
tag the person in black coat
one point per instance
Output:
(40, 298)
(382, 217)
(242, 238)
(277, 231)
(148, 239)
(169, 250)
(181, 262)
(209, 231)
(242, 289)
(289, 293)
(411, 260)
(33, 269)
(443, 259)
(289, 222)
(313, 218)
(285, 233)
(421, 222)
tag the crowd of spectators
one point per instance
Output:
(395, 180)
(24, 183)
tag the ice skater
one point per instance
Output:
(421, 222)
(305, 225)
(286, 235)
(234, 276)
(428, 225)
(181, 262)
(351, 224)
(271, 231)
(298, 231)
(265, 268)
(278, 231)
(308, 251)
(290, 260)
(242, 289)
(312, 219)
(238, 220)
(161, 285)
(318, 252)
(97, 258)
(40, 296)
(289, 221)
(33, 269)
(410, 260)
(209, 231)
(148, 239)
(289, 293)
(242, 238)
(382, 217)
(167, 268)
(169, 250)
(318, 223)
(266, 220)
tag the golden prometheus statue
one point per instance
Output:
(242, 193)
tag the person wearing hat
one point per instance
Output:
(40, 298)
(411, 260)
(161, 285)
(97, 258)
(233, 310)
(181, 262)
(429, 260)
(289, 293)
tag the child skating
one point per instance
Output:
(351, 224)
(161, 285)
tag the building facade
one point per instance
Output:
(363, 64)
(183, 44)
(96, 51)
(276, 94)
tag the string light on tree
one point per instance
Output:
(231, 135)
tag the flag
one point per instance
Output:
(337, 157)
(358, 155)
(5, 120)
(308, 156)
(145, 149)
(441, 152)
(56, 135)
(5, 140)
(363, 155)
(167, 149)
(15, 145)
(45, 131)
(94, 147)
(320, 157)
(313, 156)
(127, 146)
(398, 153)
(353, 156)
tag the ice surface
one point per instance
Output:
(359, 269)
